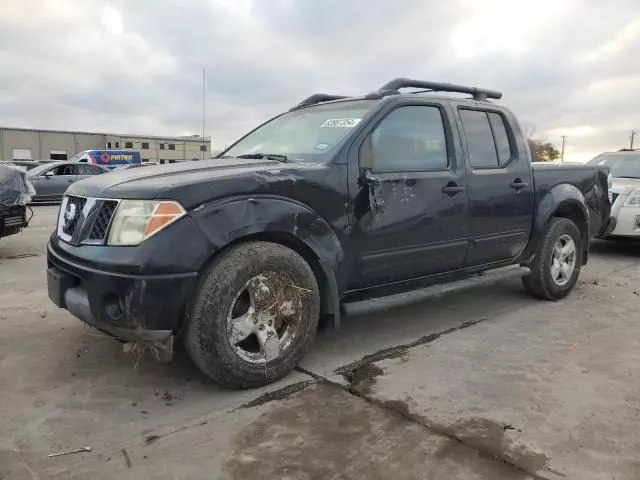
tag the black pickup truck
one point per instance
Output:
(340, 200)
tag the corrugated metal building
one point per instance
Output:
(31, 144)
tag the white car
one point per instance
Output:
(625, 190)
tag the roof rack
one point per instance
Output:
(317, 98)
(478, 93)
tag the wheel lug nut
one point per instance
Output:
(261, 327)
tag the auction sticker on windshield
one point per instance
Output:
(341, 123)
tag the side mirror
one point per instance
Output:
(49, 174)
(368, 178)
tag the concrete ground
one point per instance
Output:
(487, 384)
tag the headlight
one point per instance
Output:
(137, 220)
(633, 200)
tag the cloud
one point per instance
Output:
(566, 67)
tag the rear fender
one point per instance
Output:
(563, 200)
(271, 217)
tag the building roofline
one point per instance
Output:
(197, 138)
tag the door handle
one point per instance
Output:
(518, 184)
(452, 189)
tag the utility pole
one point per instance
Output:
(633, 136)
(203, 91)
(564, 141)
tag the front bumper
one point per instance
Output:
(131, 307)
(627, 222)
(12, 220)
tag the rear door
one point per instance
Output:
(500, 184)
(86, 170)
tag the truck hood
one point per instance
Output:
(195, 182)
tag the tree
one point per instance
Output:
(543, 151)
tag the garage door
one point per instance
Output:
(58, 155)
(22, 154)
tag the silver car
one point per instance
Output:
(625, 190)
(52, 179)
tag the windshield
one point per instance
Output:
(77, 156)
(304, 134)
(621, 165)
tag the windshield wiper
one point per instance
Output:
(270, 156)
(626, 176)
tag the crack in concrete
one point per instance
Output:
(279, 394)
(401, 408)
(361, 374)
(400, 350)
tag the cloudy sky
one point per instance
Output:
(566, 67)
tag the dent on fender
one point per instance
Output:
(558, 195)
(553, 199)
(224, 222)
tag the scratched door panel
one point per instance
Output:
(404, 225)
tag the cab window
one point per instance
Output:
(409, 138)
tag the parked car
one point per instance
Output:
(390, 195)
(136, 165)
(26, 164)
(15, 193)
(625, 190)
(50, 180)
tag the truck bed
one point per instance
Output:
(590, 180)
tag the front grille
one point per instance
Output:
(14, 221)
(103, 219)
(72, 214)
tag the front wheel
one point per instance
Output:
(555, 270)
(255, 312)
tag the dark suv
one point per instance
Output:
(334, 202)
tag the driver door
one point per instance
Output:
(54, 182)
(411, 199)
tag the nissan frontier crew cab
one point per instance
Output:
(390, 196)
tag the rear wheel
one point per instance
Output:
(254, 314)
(556, 268)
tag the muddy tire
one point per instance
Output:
(254, 314)
(558, 261)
